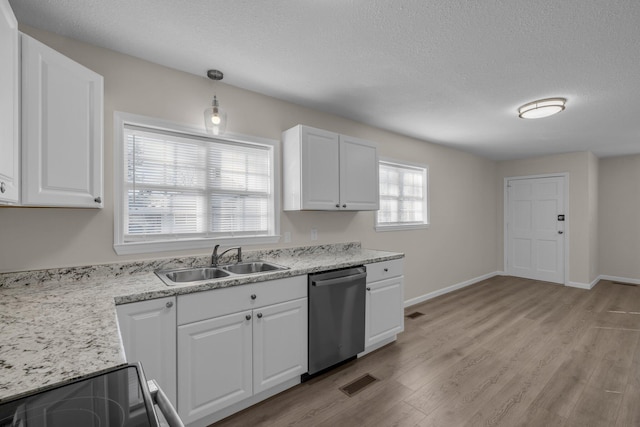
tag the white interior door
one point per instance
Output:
(535, 233)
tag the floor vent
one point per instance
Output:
(415, 314)
(356, 386)
(624, 284)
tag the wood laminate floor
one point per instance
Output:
(503, 352)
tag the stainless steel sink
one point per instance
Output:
(250, 267)
(201, 274)
(188, 275)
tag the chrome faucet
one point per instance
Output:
(215, 258)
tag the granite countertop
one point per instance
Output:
(59, 325)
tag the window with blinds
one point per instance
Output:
(181, 187)
(403, 196)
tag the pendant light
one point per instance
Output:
(215, 118)
(541, 108)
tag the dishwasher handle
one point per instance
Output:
(163, 402)
(339, 280)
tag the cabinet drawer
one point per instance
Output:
(384, 270)
(218, 302)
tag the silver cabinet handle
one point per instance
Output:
(248, 317)
(98, 199)
(169, 304)
(3, 187)
(344, 206)
(259, 315)
(560, 232)
(337, 205)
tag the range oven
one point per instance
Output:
(118, 397)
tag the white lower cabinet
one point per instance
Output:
(229, 358)
(148, 331)
(214, 364)
(384, 303)
(279, 343)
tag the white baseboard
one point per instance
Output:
(620, 279)
(580, 285)
(430, 295)
(587, 286)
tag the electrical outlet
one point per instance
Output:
(314, 234)
(287, 236)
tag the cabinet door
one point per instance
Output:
(148, 330)
(279, 343)
(385, 310)
(9, 88)
(214, 364)
(320, 170)
(61, 129)
(358, 175)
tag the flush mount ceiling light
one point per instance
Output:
(215, 118)
(541, 108)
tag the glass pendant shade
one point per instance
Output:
(215, 118)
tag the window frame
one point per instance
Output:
(426, 203)
(121, 247)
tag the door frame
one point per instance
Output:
(567, 220)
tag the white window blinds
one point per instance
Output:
(183, 187)
(403, 196)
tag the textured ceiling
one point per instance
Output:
(452, 72)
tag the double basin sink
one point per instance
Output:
(201, 274)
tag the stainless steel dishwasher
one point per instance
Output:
(336, 317)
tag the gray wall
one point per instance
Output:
(619, 221)
(457, 247)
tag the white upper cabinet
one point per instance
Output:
(328, 171)
(62, 130)
(358, 175)
(9, 112)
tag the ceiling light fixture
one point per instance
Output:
(215, 118)
(541, 108)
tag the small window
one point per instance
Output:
(403, 196)
(182, 190)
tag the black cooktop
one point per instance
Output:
(118, 397)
